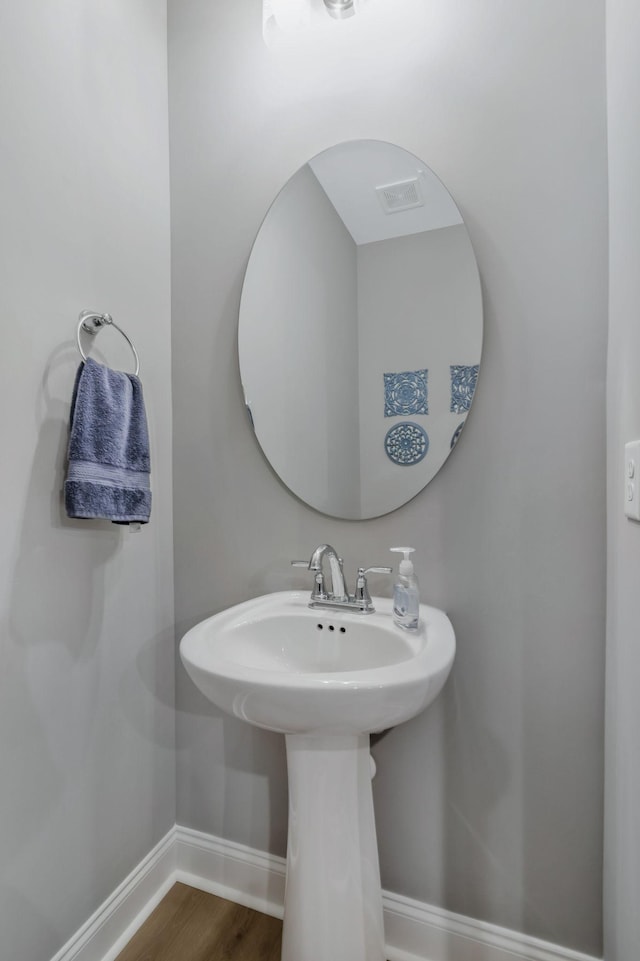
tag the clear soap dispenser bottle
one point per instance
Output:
(406, 592)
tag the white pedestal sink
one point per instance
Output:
(325, 679)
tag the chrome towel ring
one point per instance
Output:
(91, 322)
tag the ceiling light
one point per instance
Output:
(340, 9)
(289, 21)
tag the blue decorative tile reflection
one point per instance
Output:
(463, 385)
(406, 444)
(406, 393)
(456, 436)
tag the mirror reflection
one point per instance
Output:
(360, 329)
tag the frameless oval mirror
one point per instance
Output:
(360, 329)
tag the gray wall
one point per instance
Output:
(491, 803)
(86, 612)
(622, 822)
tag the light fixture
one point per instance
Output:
(340, 9)
(286, 21)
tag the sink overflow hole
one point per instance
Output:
(320, 627)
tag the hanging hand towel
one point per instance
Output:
(108, 472)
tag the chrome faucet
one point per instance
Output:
(338, 591)
(338, 597)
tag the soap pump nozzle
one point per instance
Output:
(406, 565)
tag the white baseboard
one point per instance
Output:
(105, 934)
(233, 871)
(414, 931)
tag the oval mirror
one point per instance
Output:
(360, 329)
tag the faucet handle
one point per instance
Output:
(319, 592)
(362, 595)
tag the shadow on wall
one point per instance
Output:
(147, 686)
(230, 774)
(476, 778)
(57, 597)
(41, 932)
(447, 776)
(256, 786)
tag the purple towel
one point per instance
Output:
(108, 470)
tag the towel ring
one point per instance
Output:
(91, 323)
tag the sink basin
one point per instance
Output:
(325, 679)
(280, 665)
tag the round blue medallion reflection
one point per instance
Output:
(406, 444)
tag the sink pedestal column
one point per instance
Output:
(333, 900)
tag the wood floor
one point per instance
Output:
(189, 925)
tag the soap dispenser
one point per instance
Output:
(406, 592)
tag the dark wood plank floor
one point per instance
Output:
(190, 925)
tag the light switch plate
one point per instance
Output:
(632, 480)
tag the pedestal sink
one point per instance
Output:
(326, 680)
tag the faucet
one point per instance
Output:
(338, 590)
(338, 597)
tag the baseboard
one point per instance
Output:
(414, 931)
(233, 871)
(104, 935)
